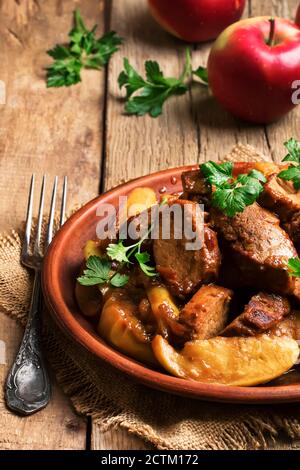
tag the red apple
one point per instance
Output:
(196, 20)
(297, 21)
(252, 67)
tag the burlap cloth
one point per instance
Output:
(114, 400)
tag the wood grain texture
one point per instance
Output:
(118, 439)
(54, 427)
(138, 145)
(56, 131)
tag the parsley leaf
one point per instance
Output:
(122, 254)
(117, 252)
(233, 198)
(293, 147)
(154, 90)
(97, 272)
(143, 259)
(83, 51)
(291, 174)
(232, 195)
(258, 175)
(293, 171)
(119, 280)
(201, 72)
(294, 267)
(217, 173)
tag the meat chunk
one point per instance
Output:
(281, 197)
(206, 314)
(293, 227)
(182, 268)
(262, 313)
(195, 187)
(259, 249)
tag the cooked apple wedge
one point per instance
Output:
(229, 361)
(119, 326)
(93, 248)
(139, 200)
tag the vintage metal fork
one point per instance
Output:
(28, 386)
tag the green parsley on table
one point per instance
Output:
(294, 267)
(231, 195)
(293, 171)
(99, 271)
(83, 51)
(153, 90)
(201, 72)
(293, 147)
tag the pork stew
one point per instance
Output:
(225, 312)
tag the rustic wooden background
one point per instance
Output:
(81, 131)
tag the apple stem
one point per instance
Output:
(270, 41)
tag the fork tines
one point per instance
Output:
(37, 248)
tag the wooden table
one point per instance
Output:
(82, 132)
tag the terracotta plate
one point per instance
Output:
(61, 267)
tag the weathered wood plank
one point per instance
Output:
(56, 131)
(118, 439)
(140, 145)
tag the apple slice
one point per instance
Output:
(229, 361)
(120, 327)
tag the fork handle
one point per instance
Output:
(28, 386)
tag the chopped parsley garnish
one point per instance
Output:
(292, 173)
(231, 195)
(99, 271)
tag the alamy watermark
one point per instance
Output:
(177, 221)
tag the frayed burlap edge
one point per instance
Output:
(113, 400)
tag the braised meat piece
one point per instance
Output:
(195, 187)
(259, 249)
(281, 197)
(262, 313)
(293, 227)
(182, 268)
(206, 314)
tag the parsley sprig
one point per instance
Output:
(231, 195)
(83, 51)
(153, 90)
(123, 254)
(99, 271)
(293, 156)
